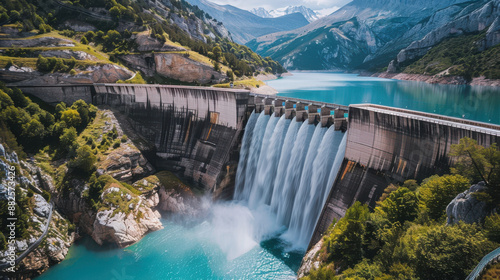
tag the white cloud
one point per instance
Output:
(275, 4)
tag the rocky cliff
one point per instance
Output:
(480, 16)
(32, 182)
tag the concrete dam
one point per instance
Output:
(303, 161)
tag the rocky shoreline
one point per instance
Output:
(268, 90)
(436, 79)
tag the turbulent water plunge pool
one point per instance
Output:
(181, 251)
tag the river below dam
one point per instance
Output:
(263, 233)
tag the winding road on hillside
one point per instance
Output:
(35, 244)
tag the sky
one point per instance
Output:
(325, 5)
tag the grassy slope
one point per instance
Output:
(243, 83)
(102, 58)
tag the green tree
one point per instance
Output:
(322, 273)
(402, 271)
(346, 242)
(33, 130)
(68, 138)
(387, 192)
(84, 40)
(5, 100)
(476, 162)
(230, 75)
(217, 53)
(60, 107)
(85, 160)
(450, 252)
(33, 108)
(71, 117)
(90, 35)
(364, 270)
(115, 12)
(86, 111)
(492, 227)
(216, 66)
(400, 206)
(438, 191)
(42, 64)
(411, 185)
(46, 118)
(20, 100)
(96, 186)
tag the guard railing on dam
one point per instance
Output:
(435, 118)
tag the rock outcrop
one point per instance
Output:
(168, 194)
(148, 44)
(465, 207)
(125, 163)
(310, 260)
(25, 76)
(485, 17)
(179, 67)
(125, 227)
(175, 66)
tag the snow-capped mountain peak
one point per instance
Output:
(309, 14)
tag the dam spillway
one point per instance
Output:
(287, 167)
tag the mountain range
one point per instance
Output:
(245, 26)
(368, 34)
(309, 14)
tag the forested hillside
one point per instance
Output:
(123, 33)
(459, 56)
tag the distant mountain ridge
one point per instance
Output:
(368, 34)
(308, 13)
(245, 26)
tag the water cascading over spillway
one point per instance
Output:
(288, 168)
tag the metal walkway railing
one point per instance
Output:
(495, 255)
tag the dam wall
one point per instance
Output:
(67, 93)
(389, 145)
(193, 129)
